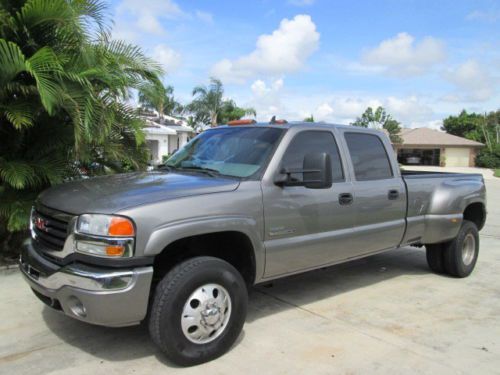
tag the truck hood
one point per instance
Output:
(109, 194)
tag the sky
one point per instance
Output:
(421, 60)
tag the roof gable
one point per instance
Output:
(431, 137)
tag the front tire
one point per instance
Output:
(198, 310)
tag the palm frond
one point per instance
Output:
(20, 113)
(42, 66)
(17, 174)
(12, 61)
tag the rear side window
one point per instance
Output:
(307, 142)
(368, 155)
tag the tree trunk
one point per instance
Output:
(213, 120)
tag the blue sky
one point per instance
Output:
(422, 60)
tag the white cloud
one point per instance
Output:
(402, 56)
(267, 98)
(134, 18)
(484, 16)
(205, 16)
(473, 82)
(169, 58)
(284, 51)
(271, 98)
(344, 109)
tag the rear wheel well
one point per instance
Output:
(475, 212)
(232, 246)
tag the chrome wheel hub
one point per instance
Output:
(468, 249)
(206, 313)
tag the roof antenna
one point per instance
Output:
(273, 120)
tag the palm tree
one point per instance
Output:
(209, 107)
(209, 101)
(158, 97)
(63, 91)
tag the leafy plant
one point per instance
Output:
(209, 106)
(63, 91)
(156, 96)
(380, 119)
(489, 159)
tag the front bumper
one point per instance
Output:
(103, 296)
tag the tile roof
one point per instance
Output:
(431, 137)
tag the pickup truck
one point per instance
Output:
(178, 247)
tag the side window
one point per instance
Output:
(368, 155)
(307, 142)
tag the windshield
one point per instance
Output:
(236, 152)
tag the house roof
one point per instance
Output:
(431, 137)
(155, 128)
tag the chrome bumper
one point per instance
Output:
(99, 296)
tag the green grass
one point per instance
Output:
(496, 172)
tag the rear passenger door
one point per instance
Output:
(379, 195)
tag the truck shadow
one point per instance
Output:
(125, 344)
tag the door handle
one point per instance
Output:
(345, 198)
(393, 194)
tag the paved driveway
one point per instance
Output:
(386, 314)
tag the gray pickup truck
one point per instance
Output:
(179, 247)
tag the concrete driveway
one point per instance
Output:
(385, 314)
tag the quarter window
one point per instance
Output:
(368, 156)
(308, 142)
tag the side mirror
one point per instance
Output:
(316, 173)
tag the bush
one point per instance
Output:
(489, 159)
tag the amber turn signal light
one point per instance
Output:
(120, 226)
(115, 251)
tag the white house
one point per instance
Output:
(166, 135)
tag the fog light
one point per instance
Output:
(76, 306)
(115, 251)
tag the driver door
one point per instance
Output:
(307, 228)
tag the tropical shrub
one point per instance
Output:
(63, 109)
(489, 159)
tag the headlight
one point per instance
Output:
(105, 235)
(105, 225)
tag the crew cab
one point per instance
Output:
(237, 206)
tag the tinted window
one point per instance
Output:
(308, 142)
(368, 157)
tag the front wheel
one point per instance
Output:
(198, 311)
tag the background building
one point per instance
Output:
(166, 135)
(424, 146)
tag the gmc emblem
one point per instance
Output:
(41, 224)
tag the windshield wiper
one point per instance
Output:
(209, 171)
(169, 168)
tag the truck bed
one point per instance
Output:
(434, 199)
(432, 174)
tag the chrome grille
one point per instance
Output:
(49, 231)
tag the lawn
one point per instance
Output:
(496, 172)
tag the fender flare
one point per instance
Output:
(166, 234)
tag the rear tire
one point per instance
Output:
(434, 254)
(198, 310)
(460, 254)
